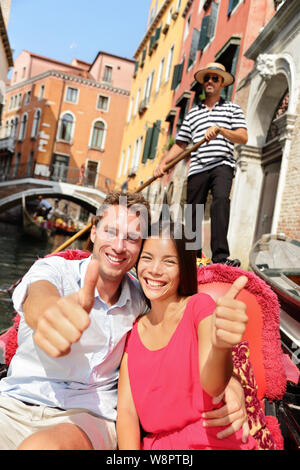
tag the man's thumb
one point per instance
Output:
(87, 292)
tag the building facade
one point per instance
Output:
(269, 165)
(65, 121)
(146, 130)
(6, 60)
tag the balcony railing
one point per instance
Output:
(60, 173)
(8, 144)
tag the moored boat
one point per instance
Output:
(32, 227)
(276, 260)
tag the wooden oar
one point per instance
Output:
(170, 165)
(174, 162)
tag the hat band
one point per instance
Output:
(215, 68)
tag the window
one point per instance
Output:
(19, 101)
(127, 160)
(66, 127)
(36, 123)
(29, 165)
(130, 109)
(231, 6)
(98, 131)
(228, 56)
(148, 87)
(208, 27)
(107, 76)
(102, 102)
(27, 97)
(136, 155)
(160, 73)
(42, 91)
(187, 27)
(71, 95)
(23, 126)
(15, 127)
(121, 164)
(194, 48)
(23, 72)
(137, 100)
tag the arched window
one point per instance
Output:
(23, 127)
(36, 123)
(66, 127)
(97, 140)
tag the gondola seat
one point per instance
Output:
(258, 359)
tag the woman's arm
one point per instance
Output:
(216, 336)
(215, 365)
(128, 425)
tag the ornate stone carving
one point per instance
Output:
(265, 64)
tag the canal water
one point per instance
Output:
(17, 254)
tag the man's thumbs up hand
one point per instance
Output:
(64, 320)
(230, 318)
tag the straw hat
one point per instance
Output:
(218, 69)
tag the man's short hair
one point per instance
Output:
(134, 201)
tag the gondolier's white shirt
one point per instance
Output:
(87, 377)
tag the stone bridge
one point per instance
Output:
(11, 193)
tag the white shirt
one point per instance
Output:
(86, 377)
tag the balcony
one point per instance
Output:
(143, 106)
(7, 144)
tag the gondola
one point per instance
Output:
(33, 228)
(276, 260)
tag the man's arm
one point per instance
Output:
(57, 321)
(232, 414)
(173, 153)
(237, 136)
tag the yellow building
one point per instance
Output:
(147, 128)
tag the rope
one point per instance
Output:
(12, 287)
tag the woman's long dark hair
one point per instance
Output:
(188, 284)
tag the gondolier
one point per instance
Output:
(212, 166)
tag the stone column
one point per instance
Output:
(285, 124)
(245, 202)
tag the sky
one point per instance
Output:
(64, 29)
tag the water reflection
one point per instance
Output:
(17, 254)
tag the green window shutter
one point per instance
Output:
(136, 66)
(175, 75)
(194, 47)
(143, 57)
(231, 5)
(203, 39)
(233, 69)
(147, 145)
(157, 33)
(213, 20)
(154, 140)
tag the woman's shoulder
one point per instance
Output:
(200, 306)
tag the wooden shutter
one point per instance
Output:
(154, 140)
(147, 145)
(231, 5)
(203, 39)
(213, 20)
(143, 57)
(177, 74)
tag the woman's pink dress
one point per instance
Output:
(166, 388)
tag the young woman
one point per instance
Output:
(177, 356)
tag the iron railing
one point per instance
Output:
(58, 172)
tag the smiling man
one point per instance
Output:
(212, 165)
(61, 387)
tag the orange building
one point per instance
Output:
(65, 121)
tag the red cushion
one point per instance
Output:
(254, 325)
